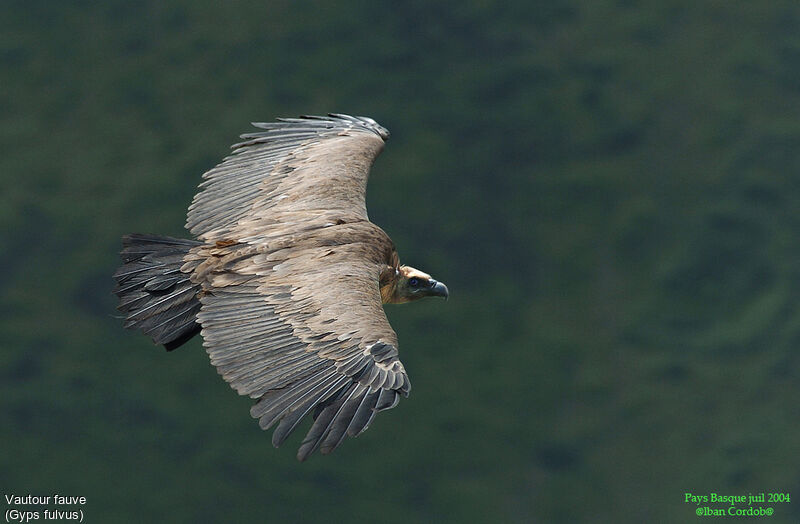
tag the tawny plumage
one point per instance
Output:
(286, 279)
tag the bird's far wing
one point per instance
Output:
(294, 165)
(306, 334)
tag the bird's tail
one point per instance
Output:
(154, 294)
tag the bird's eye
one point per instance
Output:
(413, 282)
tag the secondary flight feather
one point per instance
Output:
(285, 280)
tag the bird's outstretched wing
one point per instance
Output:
(291, 310)
(303, 330)
(294, 166)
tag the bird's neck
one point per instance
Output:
(388, 284)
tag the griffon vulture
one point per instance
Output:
(285, 280)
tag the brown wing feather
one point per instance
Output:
(300, 326)
(294, 166)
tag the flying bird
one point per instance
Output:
(285, 279)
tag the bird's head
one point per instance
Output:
(411, 284)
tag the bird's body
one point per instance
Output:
(286, 280)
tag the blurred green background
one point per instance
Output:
(609, 189)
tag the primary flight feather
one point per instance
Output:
(286, 279)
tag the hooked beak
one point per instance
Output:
(438, 290)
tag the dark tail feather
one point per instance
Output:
(154, 294)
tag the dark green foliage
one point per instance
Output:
(609, 189)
